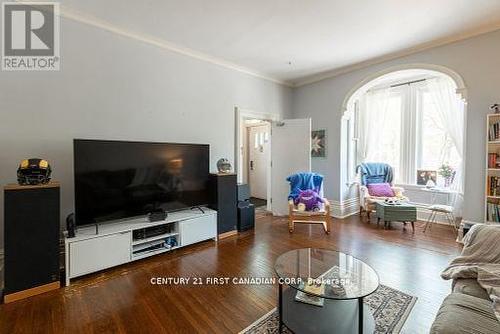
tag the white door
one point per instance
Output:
(258, 160)
(291, 146)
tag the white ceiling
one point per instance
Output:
(292, 40)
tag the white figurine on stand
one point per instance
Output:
(495, 108)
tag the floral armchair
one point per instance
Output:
(371, 173)
(368, 203)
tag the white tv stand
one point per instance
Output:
(89, 252)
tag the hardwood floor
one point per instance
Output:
(122, 300)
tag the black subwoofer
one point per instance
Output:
(246, 216)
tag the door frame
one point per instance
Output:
(241, 115)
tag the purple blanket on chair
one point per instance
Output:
(304, 181)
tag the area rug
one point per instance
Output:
(390, 309)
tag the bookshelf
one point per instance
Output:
(492, 195)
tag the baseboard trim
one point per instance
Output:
(227, 234)
(12, 297)
(344, 209)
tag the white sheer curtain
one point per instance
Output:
(374, 107)
(450, 110)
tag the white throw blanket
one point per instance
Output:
(480, 259)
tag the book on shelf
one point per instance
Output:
(493, 212)
(494, 131)
(493, 186)
(493, 160)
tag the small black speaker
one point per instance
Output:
(246, 216)
(70, 225)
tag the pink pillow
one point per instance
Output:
(380, 190)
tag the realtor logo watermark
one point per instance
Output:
(30, 36)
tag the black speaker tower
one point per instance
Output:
(223, 198)
(31, 240)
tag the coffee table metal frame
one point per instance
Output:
(280, 303)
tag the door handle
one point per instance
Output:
(251, 164)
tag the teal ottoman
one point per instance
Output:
(404, 212)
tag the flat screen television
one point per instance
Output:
(123, 179)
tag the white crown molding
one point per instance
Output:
(395, 55)
(80, 17)
(83, 18)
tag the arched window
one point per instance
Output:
(413, 120)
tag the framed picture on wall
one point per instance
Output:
(318, 143)
(426, 177)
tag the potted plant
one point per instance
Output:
(447, 172)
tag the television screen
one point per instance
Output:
(120, 179)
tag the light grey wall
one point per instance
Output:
(476, 59)
(113, 87)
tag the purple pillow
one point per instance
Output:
(380, 190)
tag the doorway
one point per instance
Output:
(283, 134)
(258, 162)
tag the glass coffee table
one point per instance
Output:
(322, 291)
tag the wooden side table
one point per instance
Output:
(403, 212)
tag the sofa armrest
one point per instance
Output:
(363, 192)
(364, 195)
(398, 191)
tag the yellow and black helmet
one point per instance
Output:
(33, 172)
